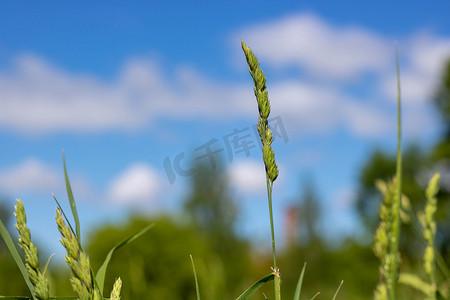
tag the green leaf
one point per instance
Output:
(48, 262)
(73, 206)
(64, 215)
(298, 289)
(197, 290)
(256, 286)
(337, 291)
(12, 249)
(101, 274)
(414, 281)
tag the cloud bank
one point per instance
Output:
(38, 98)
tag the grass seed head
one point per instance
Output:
(115, 293)
(39, 281)
(262, 99)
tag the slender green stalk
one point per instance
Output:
(262, 98)
(394, 243)
(197, 290)
(269, 197)
(337, 291)
(277, 279)
(298, 289)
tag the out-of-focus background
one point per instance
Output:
(153, 106)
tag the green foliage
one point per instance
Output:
(209, 205)
(211, 210)
(442, 96)
(156, 266)
(82, 280)
(257, 285)
(101, 274)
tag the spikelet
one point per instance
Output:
(78, 261)
(38, 279)
(262, 98)
(383, 237)
(429, 231)
(115, 293)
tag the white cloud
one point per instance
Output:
(32, 176)
(312, 109)
(339, 54)
(308, 42)
(248, 177)
(138, 185)
(38, 98)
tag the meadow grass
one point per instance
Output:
(88, 285)
(84, 282)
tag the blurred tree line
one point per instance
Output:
(157, 265)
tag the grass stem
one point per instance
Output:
(269, 197)
(397, 199)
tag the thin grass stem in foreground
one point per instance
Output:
(195, 277)
(395, 238)
(262, 98)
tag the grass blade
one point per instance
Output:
(73, 206)
(394, 247)
(101, 274)
(337, 291)
(48, 262)
(318, 293)
(247, 293)
(197, 290)
(64, 215)
(15, 254)
(298, 289)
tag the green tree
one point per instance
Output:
(212, 210)
(326, 266)
(157, 264)
(441, 158)
(309, 211)
(442, 103)
(209, 205)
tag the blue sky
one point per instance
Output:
(123, 88)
